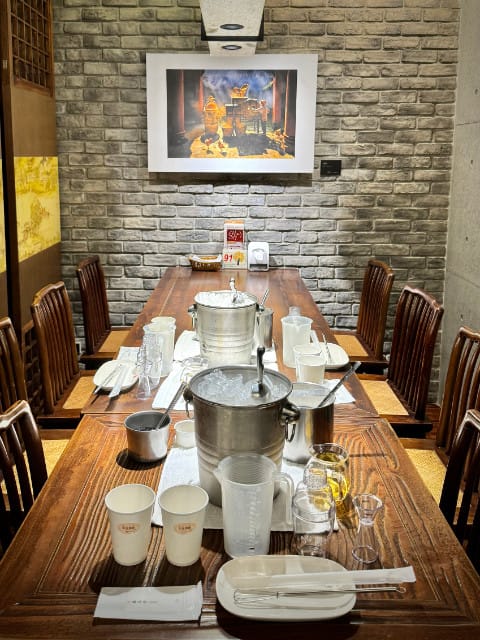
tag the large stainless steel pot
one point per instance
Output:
(225, 325)
(231, 418)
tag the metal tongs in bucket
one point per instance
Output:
(233, 289)
(258, 388)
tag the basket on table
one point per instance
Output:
(205, 263)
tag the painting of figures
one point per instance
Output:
(207, 114)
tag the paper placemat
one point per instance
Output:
(181, 467)
(351, 344)
(383, 398)
(114, 340)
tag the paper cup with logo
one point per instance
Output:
(130, 508)
(183, 514)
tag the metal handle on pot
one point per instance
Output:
(290, 413)
(188, 397)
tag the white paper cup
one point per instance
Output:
(311, 349)
(130, 509)
(310, 368)
(183, 513)
(185, 433)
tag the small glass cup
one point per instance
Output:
(332, 459)
(191, 366)
(367, 506)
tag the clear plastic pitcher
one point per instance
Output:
(165, 327)
(248, 482)
(295, 330)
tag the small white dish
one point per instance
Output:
(185, 433)
(108, 373)
(317, 607)
(338, 356)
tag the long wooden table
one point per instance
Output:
(175, 293)
(60, 559)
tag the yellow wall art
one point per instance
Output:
(38, 204)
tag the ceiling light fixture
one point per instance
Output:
(217, 25)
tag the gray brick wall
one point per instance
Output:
(385, 105)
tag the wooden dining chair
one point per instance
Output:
(65, 387)
(22, 468)
(461, 392)
(365, 343)
(12, 377)
(459, 500)
(401, 395)
(102, 341)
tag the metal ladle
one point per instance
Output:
(262, 303)
(173, 401)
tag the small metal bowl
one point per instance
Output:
(145, 442)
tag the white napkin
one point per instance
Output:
(342, 396)
(187, 346)
(168, 388)
(181, 467)
(128, 354)
(150, 603)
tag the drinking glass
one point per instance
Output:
(367, 505)
(332, 459)
(154, 357)
(192, 366)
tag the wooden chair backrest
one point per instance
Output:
(463, 473)
(462, 386)
(53, 322)
(374, 299)
(417, 320)
(24, 474)
(96, 319)
(12, 373)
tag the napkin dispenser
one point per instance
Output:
(258, 256)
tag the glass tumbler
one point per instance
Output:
(332, 459)
(192, 366)
(144, 389)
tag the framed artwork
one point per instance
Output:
(249, 114)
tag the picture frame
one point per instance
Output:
(228, 114)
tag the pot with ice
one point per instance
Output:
(225, 325)
(232, 417)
